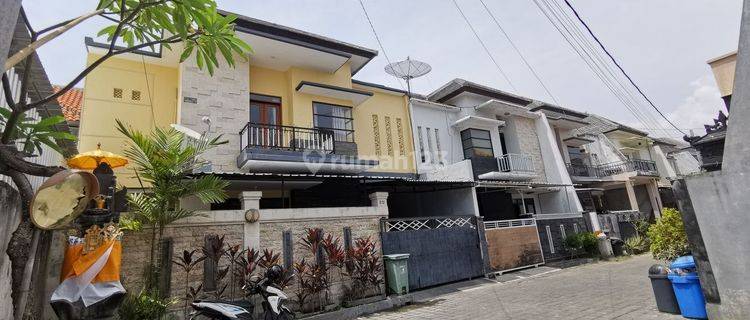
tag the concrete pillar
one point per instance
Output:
(720, 200)
(10, 206)
(8, 19)
(736, 148)
(251, 201)
(561, 146)
(631, 195)
(379, 199)
(566, 200)
(594, 219)
(653, 194)
(475, 201)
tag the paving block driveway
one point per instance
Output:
(605, 290)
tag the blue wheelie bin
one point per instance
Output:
(687, 288)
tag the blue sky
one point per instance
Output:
(664, 45)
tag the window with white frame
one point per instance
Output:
(421, 144)
(549, 239)
(562, 231)
(431, 151)
(437, 147)
(575, 228)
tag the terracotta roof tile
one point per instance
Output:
(70, 102)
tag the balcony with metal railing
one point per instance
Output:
(510, 166)
(278, 148)
(278, 137)
(640, 167)
(514, 162)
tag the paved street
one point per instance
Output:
(607, 290)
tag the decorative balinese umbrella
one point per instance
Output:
(91, 159)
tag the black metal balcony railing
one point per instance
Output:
(286, 138)
(641, 167)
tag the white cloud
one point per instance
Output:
(700, 107)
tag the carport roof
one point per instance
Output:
(411, 179)
(500, 183)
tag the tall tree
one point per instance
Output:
(136, 25)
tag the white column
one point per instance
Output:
(653, 194)
(251, 201)
(380, 200)
(631, 195)
(561, 146)
(474, 201)
(594, 219)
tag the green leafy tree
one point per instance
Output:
(32, 134)
(193, 26)
(668, 237)
(165, 161)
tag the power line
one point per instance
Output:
(617, 64)
(497, 65)
(605, 67)
(528, 65)
(648, 118)
(579, 47)
(590, 63)
(601, 63)
(380, 44)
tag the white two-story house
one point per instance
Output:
(465, 131)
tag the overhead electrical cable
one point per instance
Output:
(486, 50)
(648, 118)
(377, 38)
(568, 25)
(578, 48)
(518, 51)
(585, 25)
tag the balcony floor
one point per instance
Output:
(256, 159)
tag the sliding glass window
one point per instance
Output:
(337, 119)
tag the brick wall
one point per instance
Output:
(224, 98)
(363, 222)
(135, 253)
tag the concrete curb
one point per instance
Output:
(363, 309)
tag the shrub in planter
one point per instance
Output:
(144, 306)
(589, 243)
(668, 237)
(573, 244)
(641, 227)
(637, 244)
(580, 243)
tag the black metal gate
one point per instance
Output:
(442, 249)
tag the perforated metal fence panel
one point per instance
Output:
(441, 249)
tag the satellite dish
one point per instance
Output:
(62, 197)
(407, 70)
(186, 131)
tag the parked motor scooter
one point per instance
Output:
(273, 301)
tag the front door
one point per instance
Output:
(266, 118)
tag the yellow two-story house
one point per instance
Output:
(290, 107)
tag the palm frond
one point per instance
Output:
(209, 189)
